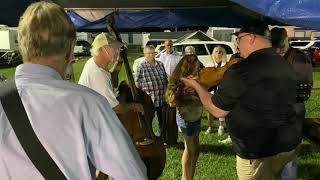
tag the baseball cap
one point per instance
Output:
(255, 27)
(105, 39)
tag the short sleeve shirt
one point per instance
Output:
(258, 92)
(99, 80)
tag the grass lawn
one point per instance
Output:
(216, 161)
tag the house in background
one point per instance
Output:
(189, 37)
(157, 38)
(132, 38)
(222, 33)
(85, 36)
(298, 33)
(140, 40)
(306, 34)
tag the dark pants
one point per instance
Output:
(159, 111)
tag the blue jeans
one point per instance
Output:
(188, 128)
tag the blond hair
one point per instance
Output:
(45, 31)
(224, 53)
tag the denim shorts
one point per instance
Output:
(188, 128)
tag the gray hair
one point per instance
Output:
(191, 48)
(148, 47)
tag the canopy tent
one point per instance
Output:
(149, 14)
(301, 13)
(161, 19)
(159, 15)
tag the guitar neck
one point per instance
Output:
(131, 83)
(130, 79)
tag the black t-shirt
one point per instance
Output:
(260, 93)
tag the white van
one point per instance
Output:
(9, 52)
(203, 50)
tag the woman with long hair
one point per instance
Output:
(189, 110)
(219, 59)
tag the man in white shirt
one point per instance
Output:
(95, 74)
(74, 124)
(169, 58)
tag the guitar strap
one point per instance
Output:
(20, 123)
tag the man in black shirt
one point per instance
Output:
(257, 96)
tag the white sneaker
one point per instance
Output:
(226, 141)
(220, 130)
(209, 130)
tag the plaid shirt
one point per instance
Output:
(152, 79)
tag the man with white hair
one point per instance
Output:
(189, 50)
(151, 78)
(95, 74)
(75, 125)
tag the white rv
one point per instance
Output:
(9, 53)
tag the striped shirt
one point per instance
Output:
(152, 79)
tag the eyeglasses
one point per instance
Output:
(239, 38)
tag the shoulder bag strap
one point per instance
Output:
(20, 123)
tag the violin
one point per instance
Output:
(207, 77)
(212, 76)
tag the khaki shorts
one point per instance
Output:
(268, 168)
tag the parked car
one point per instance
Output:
(308, 47)
(82, 48)
(159, 48)
(203, 50)
(305, 44)
(316, 57)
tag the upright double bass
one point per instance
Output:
(150, 147)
